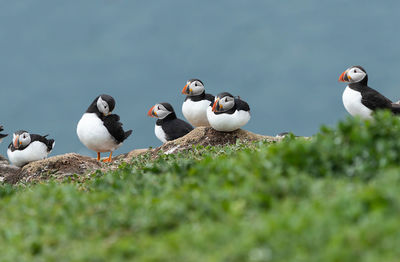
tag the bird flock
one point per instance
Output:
(102, 131)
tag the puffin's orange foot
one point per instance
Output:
(98, 156)
(109, 159)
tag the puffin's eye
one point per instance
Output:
(355, 71)
(195, 84)
(226, 99)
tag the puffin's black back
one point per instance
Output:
(372, 98)
(172, 126)
(114, 127)
(241, 105)
(34, 137)
(48, 142)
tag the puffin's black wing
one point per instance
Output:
(48, 142)
(374, 100)
(2, 135)
(176, 128)
(241, 105)
(114, 127)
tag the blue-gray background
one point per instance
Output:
(282, 57)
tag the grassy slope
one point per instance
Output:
(332, 198)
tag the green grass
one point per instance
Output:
(332, 198)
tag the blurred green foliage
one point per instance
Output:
(330, 198)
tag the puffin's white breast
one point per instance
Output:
(160, 134)
(353, 105)
(228, 122)
(33, 152)
(94, 135)
(196, 112)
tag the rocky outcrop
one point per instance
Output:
(58, 167)
(69, 165)
(206, 136)
(5, 169)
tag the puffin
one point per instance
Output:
(194, 108)
(228, 113)
(99, 130)
(26, 148)
(168, 127)
(361, 100)
(2, 135)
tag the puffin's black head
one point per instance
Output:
(354, 74)
(102, 105)
(161, 110)
(223, 102)
(21, 138)
(193, 87)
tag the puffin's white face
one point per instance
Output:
(352, 75)
(223, 104)
(158, 111)
(193, 88)
(103, 106)
(23, 139)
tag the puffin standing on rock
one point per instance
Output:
(228, 113)
(26, 148)
(168, 127)
(196, 103)
(99, 130)
(361, 100)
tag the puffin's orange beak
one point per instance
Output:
(186, 90)
(343, 77)
(16, 144)
(215, 105)
(151, 112)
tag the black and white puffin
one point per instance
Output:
(26, 148)
(2, 135)
(228, 113)
(361, 100)
(99, 130)
(168, 127)
(194, 108)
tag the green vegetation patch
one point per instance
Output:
(330, 198)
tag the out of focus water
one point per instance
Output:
(282, 57)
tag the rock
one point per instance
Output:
(206, 136)
(6, 169)
(57, 166)
(3, 160)
(134, 153)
